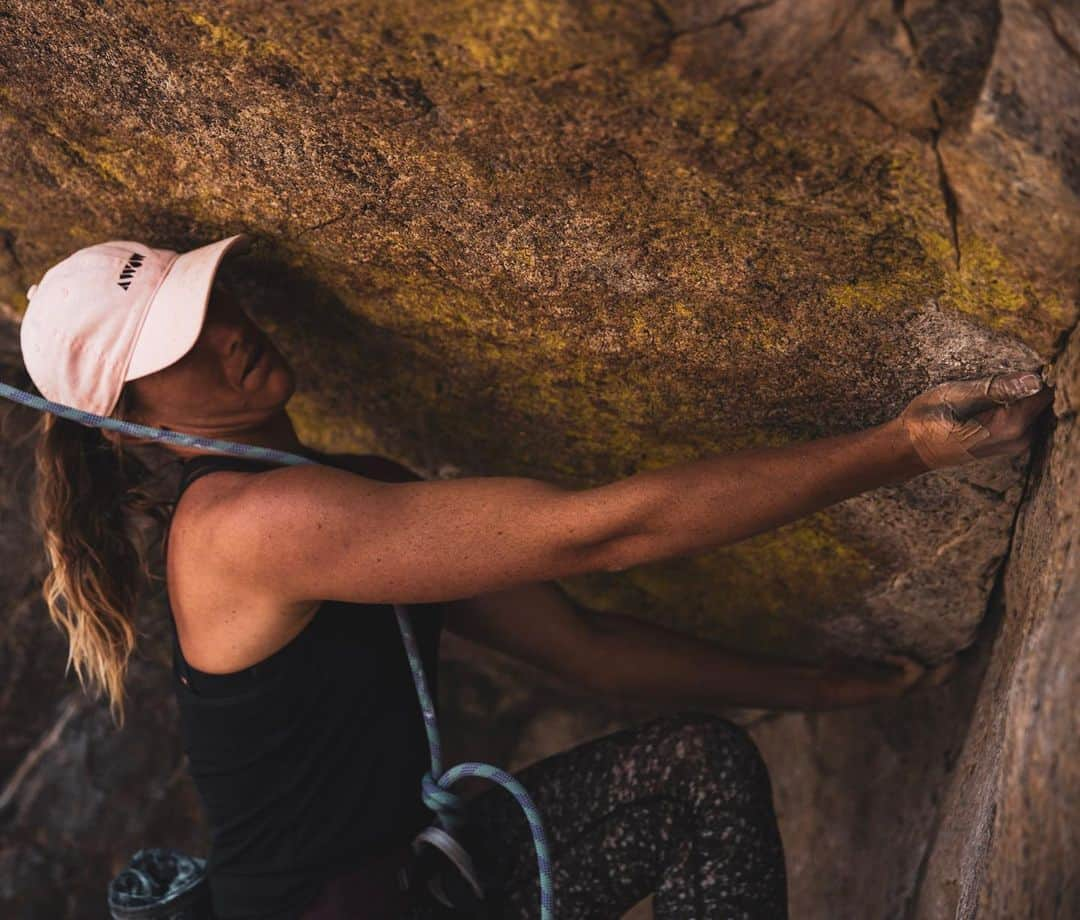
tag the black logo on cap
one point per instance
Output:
(132, 265)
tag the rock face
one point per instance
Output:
(1010, 845)
(578, 241)
(964, 802)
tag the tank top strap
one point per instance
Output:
(194, 467)
(219, 684)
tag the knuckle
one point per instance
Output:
(1016, 427)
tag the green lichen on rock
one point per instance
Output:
(581, 241)
(563, 241)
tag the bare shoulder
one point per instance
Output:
(213, 490)
(237, 494)
(226, 622)
(383, 535)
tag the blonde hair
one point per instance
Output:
(90, 493)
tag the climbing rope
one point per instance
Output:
(435, 785)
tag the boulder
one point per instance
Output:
(574, 242)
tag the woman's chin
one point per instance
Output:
(280, 384)
(271, 381)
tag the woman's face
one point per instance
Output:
(214, 389)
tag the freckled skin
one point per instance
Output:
(224, 623)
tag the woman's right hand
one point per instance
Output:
(854, 682)
(964, 420)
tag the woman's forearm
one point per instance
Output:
(689, 507)
(646, 662)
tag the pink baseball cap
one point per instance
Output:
(113, 312)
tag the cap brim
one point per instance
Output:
(176, 314)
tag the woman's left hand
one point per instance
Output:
(858, 682)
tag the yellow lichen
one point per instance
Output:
(764, 593)
(229, 40)
(235, 44)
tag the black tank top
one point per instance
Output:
(309, 762)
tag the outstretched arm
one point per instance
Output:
(617, 655)
(717, 500)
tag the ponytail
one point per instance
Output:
(89, 493)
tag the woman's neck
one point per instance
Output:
(277, 433)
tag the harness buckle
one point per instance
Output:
(437, 852)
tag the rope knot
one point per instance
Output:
(449, 806)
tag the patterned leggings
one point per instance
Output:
(680, 807)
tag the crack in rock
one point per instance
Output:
(948, 194)
(657, 53)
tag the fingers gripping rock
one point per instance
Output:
(940, 421)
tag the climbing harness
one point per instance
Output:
(442, 840)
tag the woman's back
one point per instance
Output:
(309, 762)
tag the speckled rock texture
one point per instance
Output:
(963, 802)
(575, 241)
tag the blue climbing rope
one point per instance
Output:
(435, 784)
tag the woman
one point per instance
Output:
(298, 712)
